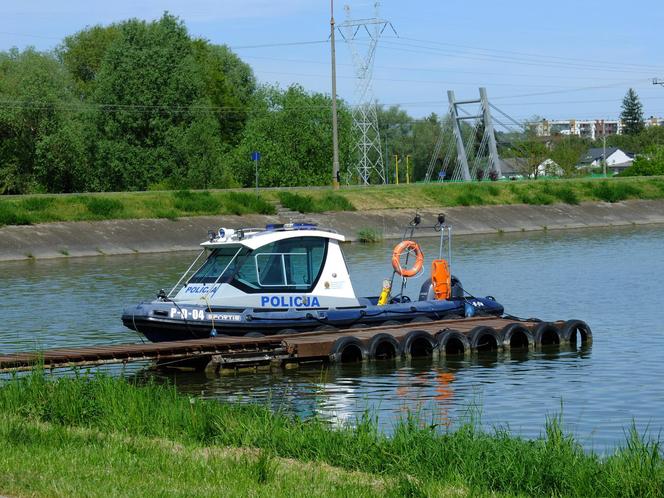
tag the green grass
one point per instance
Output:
(51, 460)
(27, 210)
(419, 459)
(314, 204)
(369, 235)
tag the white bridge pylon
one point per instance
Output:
(471, 137)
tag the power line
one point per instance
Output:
(428, 50)
(433, 70)
(282, 44)
(533, 55)
(402, 80)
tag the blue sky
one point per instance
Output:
(557, 60)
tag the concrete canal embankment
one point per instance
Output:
(70, 239)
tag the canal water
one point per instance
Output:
(611, 278)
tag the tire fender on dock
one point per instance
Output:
(348, 349)
(517, 336)
(547, 334)
(418, 344)
(452, 342)
(384, 346)
(483, 339)
(573, 328)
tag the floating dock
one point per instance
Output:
(454, 337)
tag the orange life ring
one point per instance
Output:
(401, 247)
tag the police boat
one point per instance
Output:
(290, 278)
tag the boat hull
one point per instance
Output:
(162, 320)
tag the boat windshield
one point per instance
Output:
(222, 259)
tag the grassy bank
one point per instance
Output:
(164, 204)
(104, 427)
(29, 210)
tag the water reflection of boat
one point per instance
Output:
(293, 278)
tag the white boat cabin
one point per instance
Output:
(294, 266)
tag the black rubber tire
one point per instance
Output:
(254, 334)
(421, 319)
(359, 326)
(383, 338)
(569, 331)
(348, 349)
(513, 330)
(391, 322)
(485, 339)
(446, 338)
(326, 328)
(417, 337)
(546, 334)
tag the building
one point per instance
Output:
(517, 167)
(616, 159)
(653, 121)
(591, 128)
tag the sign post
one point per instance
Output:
(255, 157)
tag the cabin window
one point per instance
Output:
(289, 265)
(220, 259)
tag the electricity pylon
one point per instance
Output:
(365, 117)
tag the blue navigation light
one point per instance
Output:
(304, 226)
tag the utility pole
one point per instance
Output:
(396, 169)
(604, 149)
(407, 169)
(335, 130)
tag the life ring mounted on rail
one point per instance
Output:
(401, 248)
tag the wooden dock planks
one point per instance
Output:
(238, 350)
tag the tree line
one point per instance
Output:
(141, 105)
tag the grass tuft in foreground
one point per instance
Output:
(417, 459)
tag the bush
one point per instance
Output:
(307, 204)
(612, 191)
(243, 203)
(369, 235)
(649, 164)
(196, 202)
(10, 216)
(297, 202)
(103, 207)
(37, 203)
(333, 202)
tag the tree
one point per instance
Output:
(632, 113)
(82, 55)
(649, 164)
(567, 152)
(530, 153)
(292, 129)
(229, 84)
(37, 90)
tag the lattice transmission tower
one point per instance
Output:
(370, 163)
